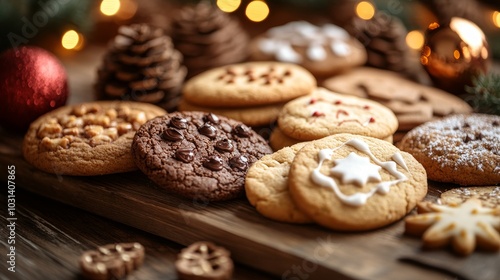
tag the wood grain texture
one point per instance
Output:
(286, 251)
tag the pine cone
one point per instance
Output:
(384, 39)
(444, 10)
(142, 65)
(208, 38)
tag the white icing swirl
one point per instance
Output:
(359, 198)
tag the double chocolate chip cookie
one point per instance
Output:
(198, 155)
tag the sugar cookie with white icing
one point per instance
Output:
(352, 183)
(324, 50)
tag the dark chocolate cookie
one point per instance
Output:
(198, 155)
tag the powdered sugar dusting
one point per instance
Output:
(458, 140)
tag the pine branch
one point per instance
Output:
(484, 94)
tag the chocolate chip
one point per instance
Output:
(239, 162)
(468, 138)
(178, 122)
(495, 123)
(214, 163)
(208, 130)
(224, 145)
(466, 125)
(185, 155)
(172, 134)
(242, 130)
(211, 118)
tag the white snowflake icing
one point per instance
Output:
(356, 169)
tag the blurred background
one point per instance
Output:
(69, 26)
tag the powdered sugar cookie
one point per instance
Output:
(352, 183)
(324, 113)
(461, 149)
(323, 50)
(266, 186)
(464, 226)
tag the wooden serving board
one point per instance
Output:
(287, 251)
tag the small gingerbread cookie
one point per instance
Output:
(324, 113)
(351, 183)
(87, 139)
(248, 84)
(264, 115)
(489, 195)
(461, 149)
(266, 186)
(204, 261)
(198, 155)
(412, 103)
(323, 50)
(464, 226)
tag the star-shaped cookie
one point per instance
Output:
(464, 226)
(356, 169)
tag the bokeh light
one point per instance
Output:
(365, 10)
(72, 40)
(257, 11)
(415, 39)
(496, 18)
(228, 6)
(110, 7)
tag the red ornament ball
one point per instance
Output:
(32, 83)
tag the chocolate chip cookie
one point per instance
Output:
(87, 139)
(198, 155)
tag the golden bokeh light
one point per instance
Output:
(415, 39)
(72, 40)
(365, 10)
(228, 6)
(257, 11)
(496, 18)
(110, 7)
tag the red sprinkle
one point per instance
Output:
(317, 114)
(372, 120)
(366, 107)
(312, 101)
(337, 102)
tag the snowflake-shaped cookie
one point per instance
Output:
(464, 226)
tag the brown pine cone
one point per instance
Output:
(142, 65)
(384, 39)
(444, 10)
(208, 38)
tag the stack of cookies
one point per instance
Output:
(344, 182)
(252, 92)
(325, 113)
(413, 103)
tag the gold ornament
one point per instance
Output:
(454, 52)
